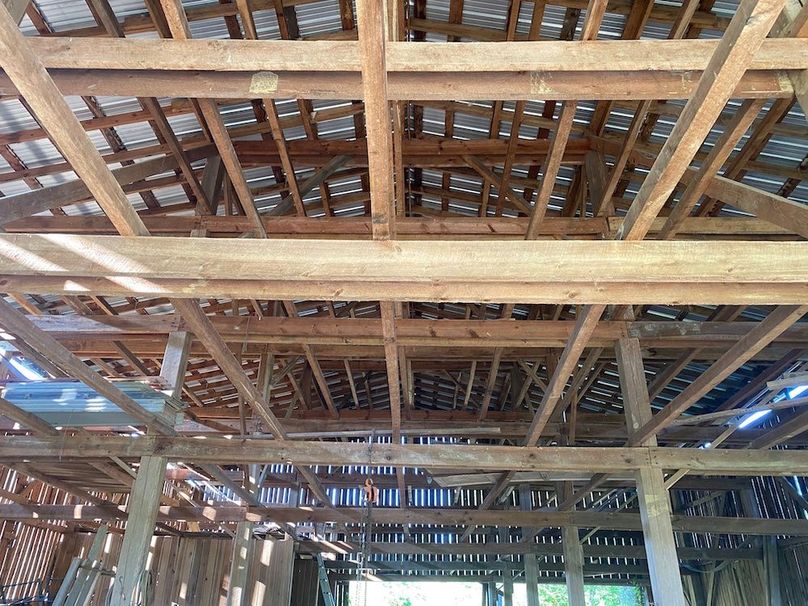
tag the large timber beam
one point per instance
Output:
(411, 332)
(655, 510)
(404, 86)
(547, 56)
(482, 458)
(413, 515)
(583, 272)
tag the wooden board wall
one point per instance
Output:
(194, 571)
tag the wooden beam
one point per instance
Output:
(744, 36)
(43, 97)
(521, 85)
(590, 272)
(175, 16)
(143, 503)
(200, 325)
(18, 325)
(585, 325)
(371, 16)
(238, 593)
(705, 174)
(760, 336)
(529, 559)
(482, 458)
(652, 495)
(409, 228)
(281, 57)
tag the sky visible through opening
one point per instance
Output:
(450, 593)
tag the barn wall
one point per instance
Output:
(192, 571)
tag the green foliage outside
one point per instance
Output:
(470, 594)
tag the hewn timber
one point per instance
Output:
(404, 86)
(594, 459)
(583, 272)
(436, 57)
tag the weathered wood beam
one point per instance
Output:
(32, 81)
(543, 57)
(762, 334)
(744, 36)
(655, 510)
(590, 272)
(484, 458)
(420, 228)
(18, 325)
(371, 16)
(607, 85)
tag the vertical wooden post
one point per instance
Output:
(144, 500)
(573, 554)
(573, 565)
(771, 559)
(655, 510)
(531, 566)
(240, 565)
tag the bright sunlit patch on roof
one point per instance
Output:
(755, 416)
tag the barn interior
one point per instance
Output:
(304, 296)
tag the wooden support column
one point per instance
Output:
(237, 594)
(655, 510)
(144, 499)
(507, 589)
(529, 559)
(573, 559)
(771, 560)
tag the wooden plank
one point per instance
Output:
(745, 34)
(592, 272)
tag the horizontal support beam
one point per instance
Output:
(404, 86)
(407, 228)
(482, 458)
(412, 332)
(414, 515)
(538, 271)
(343, 56)
(540, 549)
